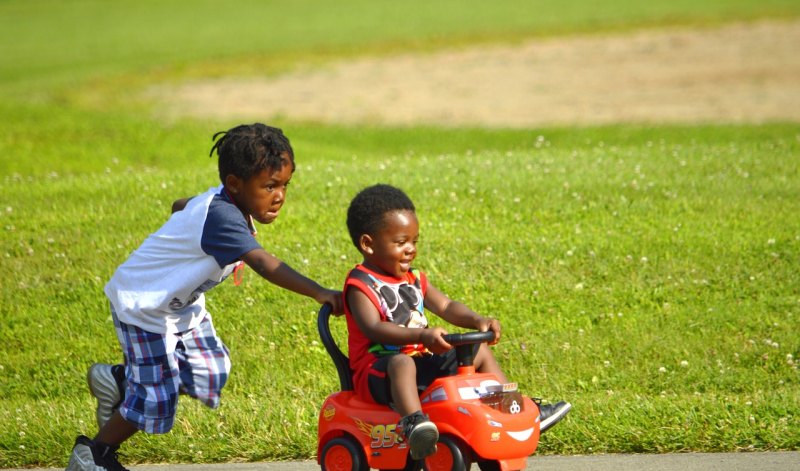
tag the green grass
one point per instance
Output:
(647, 274)
(608, 254)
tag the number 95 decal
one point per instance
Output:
(384, 436)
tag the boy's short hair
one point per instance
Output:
(368, 208)
(250, 148)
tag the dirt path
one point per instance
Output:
(741, 73)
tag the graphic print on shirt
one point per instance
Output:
(401, 303)
(176, 304)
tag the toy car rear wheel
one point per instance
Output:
(343, 454)
(451, 455)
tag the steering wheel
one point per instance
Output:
(465, 344)
(469, 338)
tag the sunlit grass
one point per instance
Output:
(648, 277)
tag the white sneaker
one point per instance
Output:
(83, 457)
(107, 384)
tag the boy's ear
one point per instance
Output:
(233, 183)
(365, 243)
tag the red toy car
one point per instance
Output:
(479, 419)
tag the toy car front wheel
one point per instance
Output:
(343, 454)
(451, 455)
(489, 465)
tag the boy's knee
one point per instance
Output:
(399, 364)
(150, 415)
(151, 399)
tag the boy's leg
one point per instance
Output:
(393, 381)
(486, 363)
(151, 378)
(402, 376)
(421, 433)
(549, 414)
(203, 363)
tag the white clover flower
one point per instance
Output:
(662, 370)
(684, 363)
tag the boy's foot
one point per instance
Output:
(107, 384)
(550, 414)
(421, 435)
(88, 455)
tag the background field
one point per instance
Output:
(647, 273)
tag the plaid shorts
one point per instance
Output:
(158, 367)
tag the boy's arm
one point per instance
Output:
(279, 273)
(178, 205)
(458, 313)
(369, 322)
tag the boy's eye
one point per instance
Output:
(272, 186)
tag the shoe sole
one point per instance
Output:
(422, 442)
(555, 418)
(81, 459)
(104, 388)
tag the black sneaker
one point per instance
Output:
(421, 434)
(88, 455)
(551, 414)
(107, 384)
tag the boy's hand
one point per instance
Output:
(433, 341)
(334, 298)
(486, 323)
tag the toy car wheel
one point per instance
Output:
(489, 465)
(343, 454)
(451, 455)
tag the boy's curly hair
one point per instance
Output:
(250, 148)
(367, 209)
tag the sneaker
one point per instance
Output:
(107, 384)
(421, 434)
(88, 455)
(551, 414)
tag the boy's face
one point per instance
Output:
(262, 195)
(394, 247)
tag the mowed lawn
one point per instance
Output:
(647, 274)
